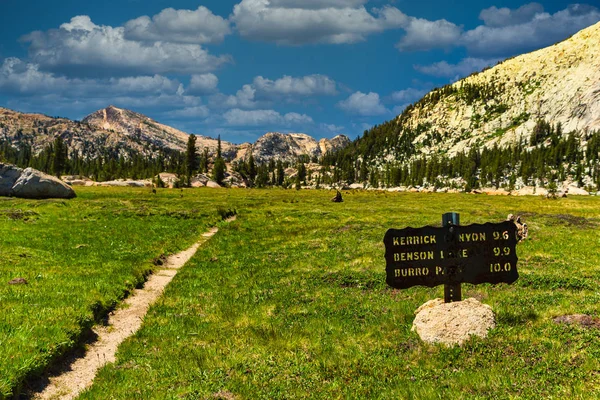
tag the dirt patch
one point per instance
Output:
(122, 323)
(224, 395)
(566, 220)
(16, 215)
(18, 281)
(582, 320)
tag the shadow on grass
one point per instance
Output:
(38, 380)
(516, 318)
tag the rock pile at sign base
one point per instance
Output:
(453, 323)
(30, 183)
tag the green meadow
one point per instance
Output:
(290, 301)
(80, 258)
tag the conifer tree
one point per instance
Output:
(59, 156)
(251, 167)
(219, 168)
(191, 158)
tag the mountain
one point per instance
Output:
(131, 124)
(530, 121)
(502, 105)
(89, 138)
(124, 133)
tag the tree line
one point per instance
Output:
(384, 156)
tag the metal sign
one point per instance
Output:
(451, 255)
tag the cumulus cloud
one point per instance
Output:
(237, 117)
(497, 17)
(317, 4)
(505, 31)
(88, 48)
(331, 128)
(363, 104)
(464, 68)
(244, 98)
(509, 32)
(309, 85)
(191, 112)
(203, 84)
(408, 95)
(422, 34)
(19, 77)
(180, 26)
(32, 89)
(294, 22)
(262, 92)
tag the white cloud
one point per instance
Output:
(203, 84)
(317, 4)
(497, 17)
(237, 117)
(180, 26)
(464, 68)
(294, 22)
(32, 89)
(297, 119)
(363, 104)
(331, 128)
(244, 98)
(309, 85)
(422, 34)
(504, 37)
(505, 31)
(191, 112)
(262, 92)
(408, 95)
(19, 77)
(89, 48)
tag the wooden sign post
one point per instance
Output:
(451, 255)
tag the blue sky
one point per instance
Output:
(242, 68)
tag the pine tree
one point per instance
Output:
(251, 167)
(204, 161)
(191, 158)
(59, 156)
(280, 173)
(219, 168)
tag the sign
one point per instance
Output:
(451, 255)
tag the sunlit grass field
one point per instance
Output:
(80, 257)
(290, 301)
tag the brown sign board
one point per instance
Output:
(454, 254)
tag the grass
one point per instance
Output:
(290, 301)
(80, 258)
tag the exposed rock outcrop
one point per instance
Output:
(288, 147)
(501, 105)
(32, 184)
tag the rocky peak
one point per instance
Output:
(501, 105)
(288, 147)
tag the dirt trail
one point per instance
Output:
(122, 323)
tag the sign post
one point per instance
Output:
(452, 289)
(451, 255)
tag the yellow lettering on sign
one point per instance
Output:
(414, 256)
(472, 237)
(412, 240)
